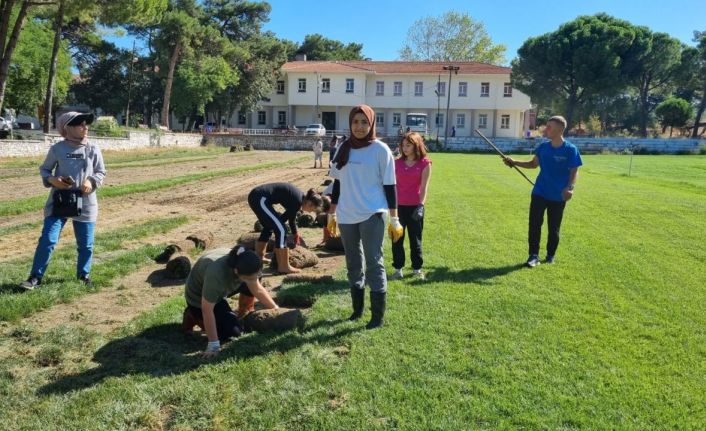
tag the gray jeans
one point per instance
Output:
(362, 243)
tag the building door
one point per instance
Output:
(328, 119)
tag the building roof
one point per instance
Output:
(401, 67)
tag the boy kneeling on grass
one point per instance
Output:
(217, 275)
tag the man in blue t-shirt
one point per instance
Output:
(559, 162)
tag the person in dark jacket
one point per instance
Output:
(261, 200)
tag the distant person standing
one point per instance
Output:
(559, 161)
(453, 131)
(318, 153)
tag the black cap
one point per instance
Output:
(80, 118)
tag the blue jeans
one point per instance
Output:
(50, 236)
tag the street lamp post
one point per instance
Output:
(129, 86)
(454, 69)
(438, 108)
(318, 84)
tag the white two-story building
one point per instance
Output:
(481, 96)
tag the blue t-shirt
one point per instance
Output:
(555, 166)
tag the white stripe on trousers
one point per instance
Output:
(275, 219)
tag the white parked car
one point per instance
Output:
(315, 130)
(5, 127)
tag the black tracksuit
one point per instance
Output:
(261, 200)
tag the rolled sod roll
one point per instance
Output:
(248, 240)
(299, 257)
(174, 249)
(202, 240)
(281, 319)
(321, 219)
(305, 220)
(178, 268)
(334, 244)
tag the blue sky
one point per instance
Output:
(382, 25)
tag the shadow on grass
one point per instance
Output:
(470, 275)
(159, 278)
(6, 288)
(47, 283)
(303, 295)
(163, 350)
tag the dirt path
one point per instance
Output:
(218, 205)
(27, 186)
(203, 202)
(129, 296)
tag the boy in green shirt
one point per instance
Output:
(216, 275)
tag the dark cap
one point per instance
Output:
(80, 118)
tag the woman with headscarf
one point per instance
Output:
(363, 193)
(73, 164)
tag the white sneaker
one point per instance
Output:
(419, 274)
(397, 275)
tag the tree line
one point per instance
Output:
(198, 58)
(205, 59)
(608, 72)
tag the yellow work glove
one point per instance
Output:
(332, 225)
(395, 229)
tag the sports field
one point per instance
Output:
(612, 336)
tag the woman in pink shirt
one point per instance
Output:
(413, 170)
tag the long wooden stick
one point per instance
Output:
(497, 150)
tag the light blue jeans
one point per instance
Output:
(83, 231)
(362, 243)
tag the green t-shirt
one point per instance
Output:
(211, 278)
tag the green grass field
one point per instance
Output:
(613, 336)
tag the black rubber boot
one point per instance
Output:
(377, 307)
(358, 299)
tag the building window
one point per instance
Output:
(419, 88)
(326, 85)
(397, 88)
(439, 121)
(241, 117)
(441, 88)
(380, 120)
(460, 121)
(485, 89)
(302, 85)
(396, 119)
(462, 89)
(482, 121)
(261, 118)
(280, 87)
(507, 90)
(380, 88)
(350, 85)
(282, 118)
(504, 121)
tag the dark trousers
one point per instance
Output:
(227, 323)
(555, 212)
(269, 218)
(413, 230)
